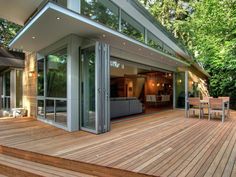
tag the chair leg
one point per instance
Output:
(209, 115)
(200, 112)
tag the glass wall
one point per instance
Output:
(87, 73)
(131, 27)
(52, 104)
(153, 41)
(40, 109)
(193, 85)
(109, 14)
(103, 11)
(61, 2)
(19, 88)
(40, 87)
(6, 90)
(56, 74)
(180, 90)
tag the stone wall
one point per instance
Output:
(30, 84)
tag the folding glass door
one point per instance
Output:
(94, 88)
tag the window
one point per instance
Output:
(7, 84)
(6, 90)
(103, 11)
(154, 42)
(56, 74)
(131, 27)
(19, 88)
(41, 108)
(52, 103)
(40, 87)
(61, 2)
(168, 50)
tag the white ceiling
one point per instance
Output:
(18, 11)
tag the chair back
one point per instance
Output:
(194, 101)
(148, 98)
(206, 98)
(151, 98)
(165, 98)
(216, 103)
(225, 98)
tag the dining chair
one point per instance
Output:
(151, 99)
(194, 104)
(216, 105)
(226, 104)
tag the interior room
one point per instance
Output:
(138, 89)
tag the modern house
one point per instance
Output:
(90, 61)
(11, 79)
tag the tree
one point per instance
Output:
(207, 28)
(8, 31)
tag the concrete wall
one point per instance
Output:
(30, 84)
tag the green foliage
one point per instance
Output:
(208, 29)
(8, 30)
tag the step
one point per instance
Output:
(57, 166)
(12, 166)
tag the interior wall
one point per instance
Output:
(158, 84)
(30, 84)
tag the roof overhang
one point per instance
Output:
(11, 62)
(45, 29)
(18, 11)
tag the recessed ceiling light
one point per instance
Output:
(124, 43)
(139, 49)
(33, 37)
(58, 18)
(103, 35)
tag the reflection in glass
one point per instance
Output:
(154, 42)
(19, 88)
(7, 84)
(40, 87)
(180, 90)
(168, 50)
(41, 108)
(131, 27)
(88, 88)
(61, 112)
(55, 108)
(50, 110)
(56, 74)
(103, 11)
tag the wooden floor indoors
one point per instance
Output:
(162, 144)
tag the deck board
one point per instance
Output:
(165, 144)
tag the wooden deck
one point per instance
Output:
(162, 144)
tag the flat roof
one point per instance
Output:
(44, 29)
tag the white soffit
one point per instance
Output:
(18, 11)
(45, 29)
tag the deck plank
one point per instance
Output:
(164, 143)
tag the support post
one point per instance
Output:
(186, 92)
(174, 90)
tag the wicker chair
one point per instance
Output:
(216, 105)
(194, 104)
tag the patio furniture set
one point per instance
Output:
(215, 106)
